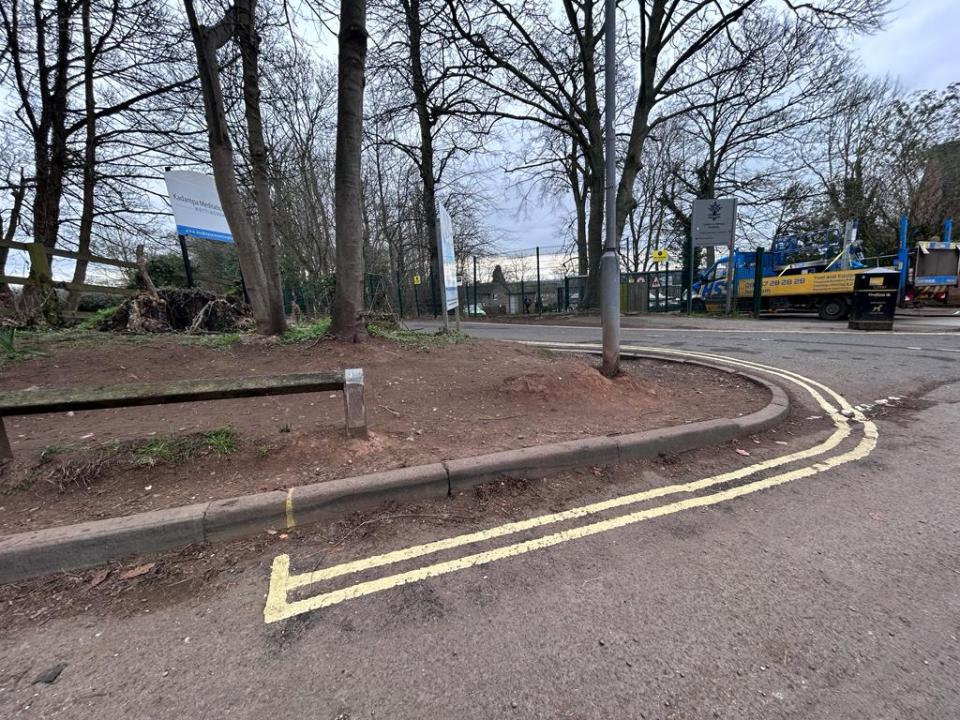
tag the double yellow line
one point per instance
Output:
(278, 607)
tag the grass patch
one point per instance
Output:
(414, 338)
(12, 346)
(302, 333)
(70, 466)
(7, 336)
(173, 450)
(93, 322)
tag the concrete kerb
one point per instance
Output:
(69, 547)
(72, 547)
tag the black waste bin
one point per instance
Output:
(874, 299)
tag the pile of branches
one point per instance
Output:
(172, 309)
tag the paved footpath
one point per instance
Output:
(832, 594)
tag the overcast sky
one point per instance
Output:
(919, 45)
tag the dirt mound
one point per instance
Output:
(179, 309)
(572, 379)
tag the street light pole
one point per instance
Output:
(609, 263)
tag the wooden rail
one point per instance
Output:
(56, 252)
(33, 402)
(42, 275)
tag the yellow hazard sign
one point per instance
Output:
(659, 256)
(416, 279)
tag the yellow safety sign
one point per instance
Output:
(416, 279)
(659, 256)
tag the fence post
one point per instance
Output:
(475, 305)
(523, 296)
(566, 293)
(433, 294)
(539, 297)
(666, 288)
(399, 297)
(187, 268)
(757, 281)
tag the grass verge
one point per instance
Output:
(69, 466)
(302, 333)
(421, 341)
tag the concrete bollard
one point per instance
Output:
(355, 408)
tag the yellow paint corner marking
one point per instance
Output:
(289, 508)
(277, 594)
(278, 607)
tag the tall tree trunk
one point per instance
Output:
(89, 156)
(207, 40)
(420, 99)
(578, 187)
(594, 237)
(593, 158)
(249, 42)
(347, 322)
(640, 127)
(50, 143)
(583, 264)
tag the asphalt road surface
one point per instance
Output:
(835, 595)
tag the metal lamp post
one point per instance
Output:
(609, 263)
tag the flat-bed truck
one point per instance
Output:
(814, 272)
(800, 273)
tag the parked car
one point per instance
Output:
(474, 311)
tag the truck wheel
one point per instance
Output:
(698, 306)
(833, 308)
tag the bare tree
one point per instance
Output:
(257, 255)
(779, 77)
(522, 49)
(420, 86)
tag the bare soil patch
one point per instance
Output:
(425, 404)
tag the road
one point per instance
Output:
(836, 595)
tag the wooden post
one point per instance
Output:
(355, 408)
(5, 451)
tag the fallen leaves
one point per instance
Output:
(137, 571)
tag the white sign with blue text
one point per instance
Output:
(196, 206)
(449, 258)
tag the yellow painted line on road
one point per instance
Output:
(841, 431)
(281, 583)
(278, 606)
(288, 506)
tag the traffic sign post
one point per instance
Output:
(713, 222)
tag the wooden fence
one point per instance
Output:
(42, 276)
